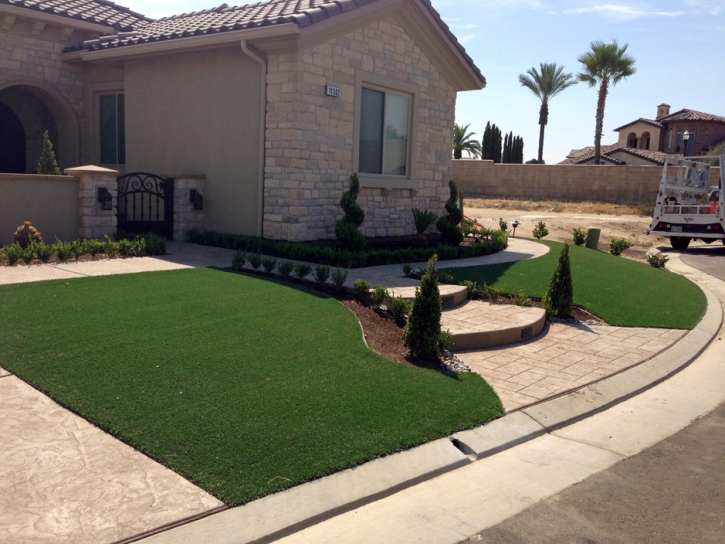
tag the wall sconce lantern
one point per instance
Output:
(196, 198)
(514, 225)
(685, 139)
(105, 198)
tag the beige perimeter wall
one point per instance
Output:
(561, 182)
(198, 112)
(49, 202)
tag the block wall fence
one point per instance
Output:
(561, 181)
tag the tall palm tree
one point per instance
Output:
(545, 84)
(463, 141)
(605, 63)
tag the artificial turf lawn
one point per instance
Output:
(622, 292)
(243, 385)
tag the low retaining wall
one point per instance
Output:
(49, 202)
(561, 181)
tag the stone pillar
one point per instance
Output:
(186, 216)
(95, 222)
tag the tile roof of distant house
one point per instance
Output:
(227, 18)
(102, 12)
(641, 120)
(589, 154)
(654, 156)
(691, 115)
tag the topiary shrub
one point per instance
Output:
(346, 229)
(48, 165)
(448, 224)
(540, 230)
(559, 298)
(580, 237)
(422, 333)
(26, 234)
(617, 245)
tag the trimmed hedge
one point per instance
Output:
(297, 251)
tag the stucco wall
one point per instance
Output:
(49, 202)
(639, 129)
(198, 112)
(561, 182)
(309, 137)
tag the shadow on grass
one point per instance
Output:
(292, 283)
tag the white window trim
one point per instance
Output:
(382, 83)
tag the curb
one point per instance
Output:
(273, 517)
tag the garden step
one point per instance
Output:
(451, 295)
(476, 324)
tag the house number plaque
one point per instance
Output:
(333, 91)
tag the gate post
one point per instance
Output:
(95, 222)
(187, 213)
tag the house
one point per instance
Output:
(648, 141)
(275, 103)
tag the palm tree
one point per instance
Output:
(606, 63)
(463, 142)
(546, 84)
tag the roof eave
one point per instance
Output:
(59, 20)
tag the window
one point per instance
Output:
(112, 129)
(678, 148)
(669, 140)
(691, 143)
(384, 132)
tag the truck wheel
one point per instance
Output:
(679, 242)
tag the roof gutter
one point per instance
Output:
(262, 133)
(180, 44)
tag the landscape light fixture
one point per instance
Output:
(685, 139)
(105, 198)
(196, 199)
(514, 225)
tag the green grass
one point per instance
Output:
(620, 291)
(243, 385)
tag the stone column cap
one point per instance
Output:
(90, 169)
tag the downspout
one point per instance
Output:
(262, 130)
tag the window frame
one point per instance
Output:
(98, 95)
(387, 85)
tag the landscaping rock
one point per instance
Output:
(451, 362)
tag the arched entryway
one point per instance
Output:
(12, 142)
(39, 108)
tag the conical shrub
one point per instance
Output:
(48, 165)
(346, 229)
(559, 298)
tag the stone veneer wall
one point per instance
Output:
(309, 138)
(31, 49)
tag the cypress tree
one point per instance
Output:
(506, 149)
(559, 298)
(486, 143)
(47, 165)
(520, 151)
(497, 142)
(422, 333)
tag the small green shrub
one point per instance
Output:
(13, 252)
(422, 219)
(469, 227)
(47, 164)
(422, 333)
(125, 247)
(110, 248)
(43, 251)
(239, 259)
(407, 270)
(339, 277)
(285, 269)
(472, 288)
(400, 307)
(28, 254)
(617, 245)
(269, 264)
(580, 237)
(322, 273)
(155, 244)
(502, 225)
(94, 247)
(63, 250)
(559, 298)
(540, 230)
(255, 259)
(492, 293)
(346, 230)
(656, 261)
(445, 277)
(520, 298)
(302, 270)
(446, 253)
(361, 288)
(378, 296)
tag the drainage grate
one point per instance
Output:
(448, 300)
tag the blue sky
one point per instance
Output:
(678, 46)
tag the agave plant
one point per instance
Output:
(422, 219)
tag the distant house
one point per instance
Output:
(649, 141)
(276, 103)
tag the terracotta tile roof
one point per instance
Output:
(641, 120)
(102, 12)
(654, 156)
(227, 18)
(691, 115)
(589, 154)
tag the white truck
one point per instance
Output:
(689, 204)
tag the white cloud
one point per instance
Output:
(467, 37)
(713, 7)
(465, 27)
(623, 13)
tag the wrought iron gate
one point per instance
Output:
(145, 204)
